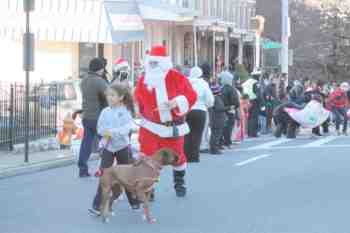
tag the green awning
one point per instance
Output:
(269, 44)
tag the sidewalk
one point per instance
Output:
(12, 163)
(45, 155)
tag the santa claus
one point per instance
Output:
(164, 96)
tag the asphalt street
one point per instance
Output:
(262, 186)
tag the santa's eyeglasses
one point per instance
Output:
(153, 64)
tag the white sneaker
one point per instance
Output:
(95, 212)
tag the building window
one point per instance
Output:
(238, 16)
(185, 3)
(197, 5)
(205, 8)
(218, 8)
(226, 9)
(232, 12)
(188, 48)
(87, 51)
(244, 17)
(213, 6)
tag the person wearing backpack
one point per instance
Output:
(337, 103)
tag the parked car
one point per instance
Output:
(67, 96)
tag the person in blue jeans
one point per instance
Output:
(93, 87)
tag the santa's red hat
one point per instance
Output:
(120, 63)
(158, 53)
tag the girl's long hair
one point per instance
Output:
(123, 90)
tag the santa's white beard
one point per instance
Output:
(154, 76)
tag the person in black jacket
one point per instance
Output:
(217, 115)
(231, 102)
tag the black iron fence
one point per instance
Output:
(42, 113)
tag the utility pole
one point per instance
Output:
(285, 38)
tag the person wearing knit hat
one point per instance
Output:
(164, 97)
(217, 120)
(231, 101)
(93, 87)
(96, 64)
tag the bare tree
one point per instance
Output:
(335, 24)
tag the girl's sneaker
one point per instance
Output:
(135, 207)
(94, 211)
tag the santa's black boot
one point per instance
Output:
(179, 183)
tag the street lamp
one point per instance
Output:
(28, 65)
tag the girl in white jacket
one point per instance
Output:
(196, 118)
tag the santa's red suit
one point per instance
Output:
(161, 126)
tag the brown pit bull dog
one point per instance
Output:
(138, 178)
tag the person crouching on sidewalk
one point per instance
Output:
(217, 115)
(114, 125)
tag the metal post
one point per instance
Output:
(28, 65)
(11, 131)
(26, 134)
(285, 35)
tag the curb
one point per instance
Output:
(39, 166)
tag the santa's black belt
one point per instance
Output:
(172, 123)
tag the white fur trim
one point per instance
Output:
(182, 167)
(164, 131)
(162, 98)
(182, 104)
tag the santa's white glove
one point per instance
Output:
(171, 104)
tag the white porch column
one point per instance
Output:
(214, 55)
(227, 49)
(257, 51)
(195, 45)
(240, 50)
(133, 63)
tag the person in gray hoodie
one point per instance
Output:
(231, 102)
(196, 118)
